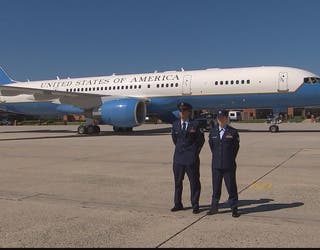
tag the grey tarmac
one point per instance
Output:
(60, 189)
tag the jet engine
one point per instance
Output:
(124, 113)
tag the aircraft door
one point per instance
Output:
(283, 82)
(186, 85)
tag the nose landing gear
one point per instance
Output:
(274, 128)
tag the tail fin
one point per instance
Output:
(4, 78)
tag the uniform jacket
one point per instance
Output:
(225, 150)
(188, 144)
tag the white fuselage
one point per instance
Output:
(253, 80)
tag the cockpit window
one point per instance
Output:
(312, 80)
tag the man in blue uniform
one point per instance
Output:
(224, 145)
(188, 139)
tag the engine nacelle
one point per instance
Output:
(124, 113)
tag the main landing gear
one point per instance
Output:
(88, 130)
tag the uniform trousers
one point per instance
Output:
(229, 177)
(193, 173)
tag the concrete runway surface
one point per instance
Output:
(59, 189)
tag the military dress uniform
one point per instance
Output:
(224, 145)
(188, 139)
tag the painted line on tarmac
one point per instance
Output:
(245, 188)
(273, 169)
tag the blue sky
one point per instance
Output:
(41, 39)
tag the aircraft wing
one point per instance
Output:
(10, 94)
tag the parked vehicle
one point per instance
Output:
(5, 121)
(235, 116)
(206, 120)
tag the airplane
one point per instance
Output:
(124, 101)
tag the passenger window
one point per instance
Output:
(216, 82)
(242, 81)
(232, 82)
(237, 82)
(221, 82)
(248, 81)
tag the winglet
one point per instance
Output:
(4, 78)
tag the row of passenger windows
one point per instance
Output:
(167, 85)
(232, 82)
(172, 85)
(104, 88)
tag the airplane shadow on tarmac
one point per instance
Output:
(146, 132)
(261, 206)
(150, 132)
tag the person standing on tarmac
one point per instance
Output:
(224, 144)
(188, 139)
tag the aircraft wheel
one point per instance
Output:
(274, 129)
(82, 130)
(91, 129)
(96, 129)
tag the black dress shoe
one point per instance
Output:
(176, 208)
(235, 213)
(213, 210)
(196, 211)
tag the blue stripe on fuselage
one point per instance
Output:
(306, 95)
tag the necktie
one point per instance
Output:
(221, 132)
(184, 126)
